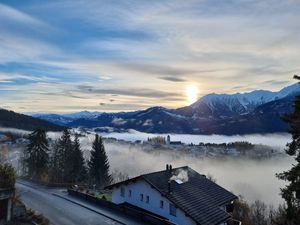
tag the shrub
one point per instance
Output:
(7, 176)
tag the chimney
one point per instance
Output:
(170, 167)
(169, 187)
(167, 167)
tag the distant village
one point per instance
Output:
(234, 149)
(211, 150)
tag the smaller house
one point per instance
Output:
(179, 195)
(175, 143)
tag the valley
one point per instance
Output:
(236, 168)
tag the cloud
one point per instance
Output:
(123, 48)
(137, 92)
(12, 14)
(119, 121)
(277, 82)
(173, 79)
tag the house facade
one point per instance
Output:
(188, 199)
(141, 194)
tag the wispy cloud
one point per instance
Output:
(173, 79)
(141, 51)
(8, 14)
(138, 92)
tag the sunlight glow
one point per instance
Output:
(191, 93)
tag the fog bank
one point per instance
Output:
(276, 140)
(253, 179)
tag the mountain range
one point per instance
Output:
(259, 111)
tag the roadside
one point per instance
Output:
(62, 209)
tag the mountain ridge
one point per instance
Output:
(211, 114)
(11, 119)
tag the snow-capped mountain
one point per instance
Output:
(241, 103)
(259, 111)
(54, 118)
(64, 119)
(83, 114)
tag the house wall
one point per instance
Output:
(142, 187)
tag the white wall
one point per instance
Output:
(142, 187)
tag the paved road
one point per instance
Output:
(62, 212)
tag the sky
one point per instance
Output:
(124, 55)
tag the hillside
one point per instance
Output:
(16, 120)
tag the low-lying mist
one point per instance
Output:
(253, 179)
(275, 140)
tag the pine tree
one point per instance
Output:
(65, 151)
(291, 192)
(60, 162)
(99, 165)
(78, 171)
(36, 154)
(56, 170)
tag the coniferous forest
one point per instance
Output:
(63, 162)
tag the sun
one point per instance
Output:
(191, 93)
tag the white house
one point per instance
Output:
(180, 195)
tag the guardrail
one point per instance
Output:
(139, 214)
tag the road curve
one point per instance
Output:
(62, 212)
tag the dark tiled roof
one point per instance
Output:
(199, 197)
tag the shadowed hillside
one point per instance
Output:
(24, 122)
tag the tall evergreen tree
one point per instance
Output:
(36, 154)
(99, 165)
(60, 164)
(65, 150)
(56, 165)
(291, 192)
(78, 171)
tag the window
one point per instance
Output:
(122, 191)
(161, 204)
(129, 193)
(172, 210)
(147, 199)
(141, 197)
